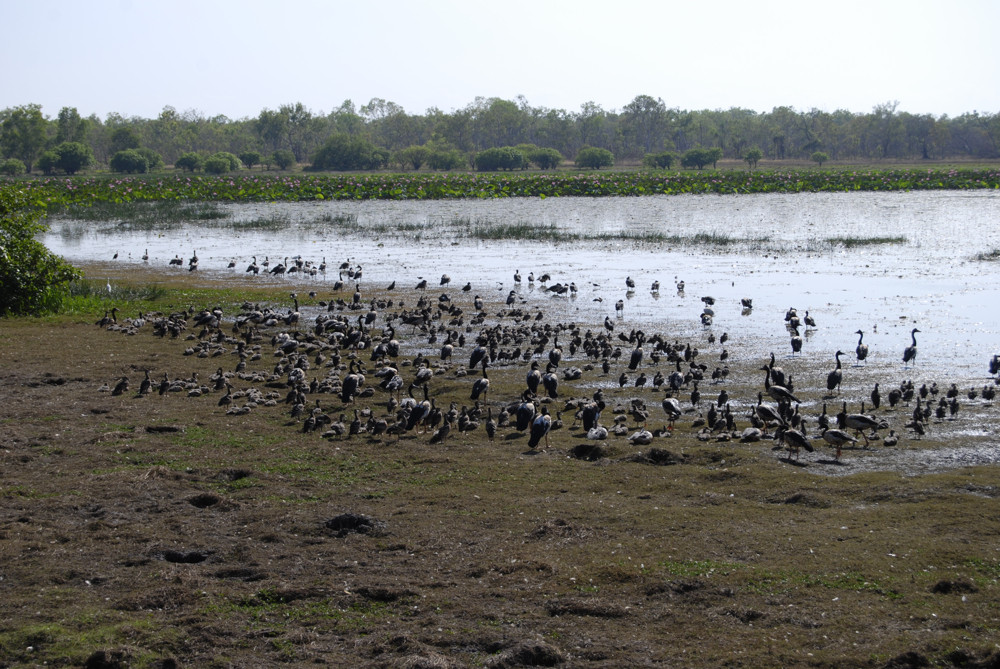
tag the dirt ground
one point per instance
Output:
(178, 530)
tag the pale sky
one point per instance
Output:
(237, 57)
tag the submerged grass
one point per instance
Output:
(143, 215)
(853, 242)
(521, 231)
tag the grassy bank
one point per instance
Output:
(149, 529)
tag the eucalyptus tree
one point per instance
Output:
(22, 133)
(497, 122)
(644, 124)
(595, 126)
(70, 127)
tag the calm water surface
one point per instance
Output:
(780, 258)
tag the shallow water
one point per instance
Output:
(781, 259)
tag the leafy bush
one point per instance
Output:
(48, 162)
(344, 152)
(753, 156)
(216, 165)
(413, 155)
(73, 157)
(500, 158)
(12, 167)
(819, 158)
(32, 279)
(189, 161)
(446, 159)
(546, 159)
(154, 161)
(129, 161)
(660, 161)
(698, 157)
(590, 157)
(251, 158)
(283, 159)
(222, 162)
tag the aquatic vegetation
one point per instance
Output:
(851, 242)
(88, 191)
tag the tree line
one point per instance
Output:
(382, 134)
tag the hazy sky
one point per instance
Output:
(237, 57)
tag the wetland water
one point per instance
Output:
(775, 251)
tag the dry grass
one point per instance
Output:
(157, 529)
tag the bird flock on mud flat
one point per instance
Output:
(375, 363)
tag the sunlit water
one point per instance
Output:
(931, 281)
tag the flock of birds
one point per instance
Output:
(372, 356)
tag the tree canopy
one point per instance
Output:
(646, 125)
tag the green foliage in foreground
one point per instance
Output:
(32, 280)
(298, 187)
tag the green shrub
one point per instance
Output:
(500, 158)
(413, 155)
(73, 157)
(189, 161)
(32, 279)
(48, 162)
(446, 159)
(12, 167)
(546, 159)
(660, 161)
(251, 158)
(154, 161)
(216, 165)
(590, 157)
(344, 152)
(129, 161)
(222, 162)
(283, 159)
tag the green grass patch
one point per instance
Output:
(854, 242)
(521, 232)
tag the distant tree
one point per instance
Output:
(696, 158)
(70, 127)
(124, 138)
(500, 158)
(662, 161)
(189, 161)
(446, 159)
(819, 157)
(12, 167)
(216, 164)
(32, 279)
(546, 159)
(233, 163)
(283, 158)
(22, 134)
(342, 152)
(753, 156)
(48, 162)
(73, 157)
(594, 158)
(250, 158)
(413, 155)
(129, 161)
(714, 155)
(153, 159)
